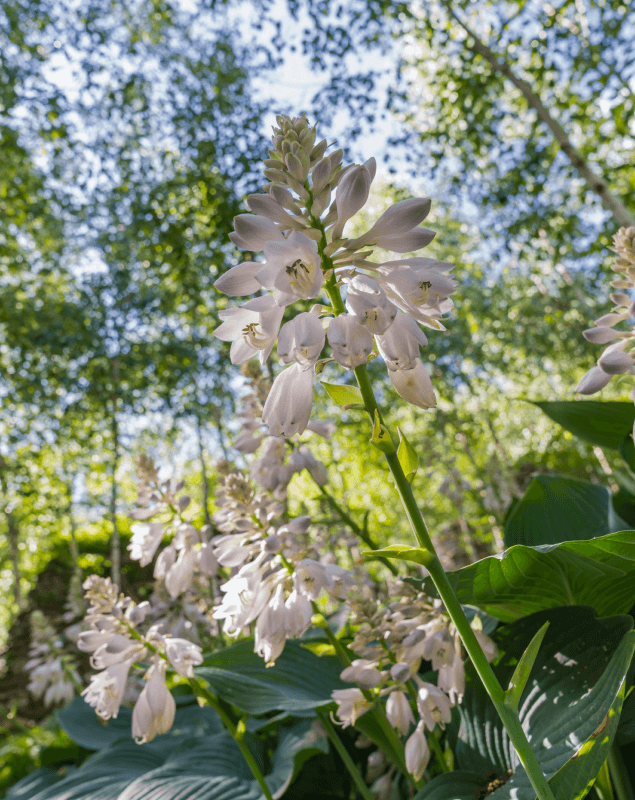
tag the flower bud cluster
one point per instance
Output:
(617, 358)
(53, 672)
(306, 255)
(116, 645)
(189, 554)
(276, 571)
(392, 641)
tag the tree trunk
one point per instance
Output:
(13, 535)
(115, 545)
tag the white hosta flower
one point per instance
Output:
(352, 193)
(438, 648)
(400, 671)
(401, 343)
(240, 280)
(267, 206)
(292, 269)
(146, 537)
(106, 689)
(309, 578)
(183, 655)
(252, 232)
(381, 789)
(417, 753)
(252, 328)
(434, 705)
(119, 648)
(488, 646)
(420, 287)
(288, 407)
(303, 458)
(271, 628)
(155, 709)
(363, 672)
(399, 712)
(206, 561)
(299, 613)
(229, 550)
(246, 596)
(397, 229)
(367, 300)
(350, 341)
(594, 380)
(414, 385)
(179, 577)
(452, 678)
(325, 428)
(165, 560)
(351, 704)
(301, 340)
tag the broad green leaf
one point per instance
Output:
(33, 783)
(603, 424)
(556, 508)
(569, 709)
(458, 785)
(403, 552)
(299, 681)
(522, 580)
(343, 395)
(627, 450)
(519, 679)
(83, 726)
(407, 456)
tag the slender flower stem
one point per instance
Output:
(236, 734)
(343, 753)
(486, 673)
(438, 752)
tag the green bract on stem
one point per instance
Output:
(508, 716)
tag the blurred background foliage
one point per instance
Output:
(131, 132)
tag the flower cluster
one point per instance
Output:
(189, 554)
(392, 641)
(278, 572)
(300, 231)
(616, 358)
(53, 673)
(116, 645)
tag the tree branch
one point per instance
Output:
(595, 183)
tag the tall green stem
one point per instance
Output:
(508, 716)
(619, 775)
(236, 734)
(343, 753)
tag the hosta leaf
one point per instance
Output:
(458, 785)
(298, 682)
(603, 424)
(522, 580)
(83, 726)
(556, 508)
(569, 709)
(30, 785)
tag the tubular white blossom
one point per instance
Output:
(301, 340)
(271, 628)
(292, 269)
(288, 407)
(594, 380)
(240, 280)
(399, 712)
(434, 705)
(253, 232)
(417, 753)
(351, 342)
(183, 655)
(252, 328)
(352, 193)
(106, 689)
(155, 709)
(414, 385)
(351, 704)
(146, 537)
(364, 673)
(400, 345)
(366, 300)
